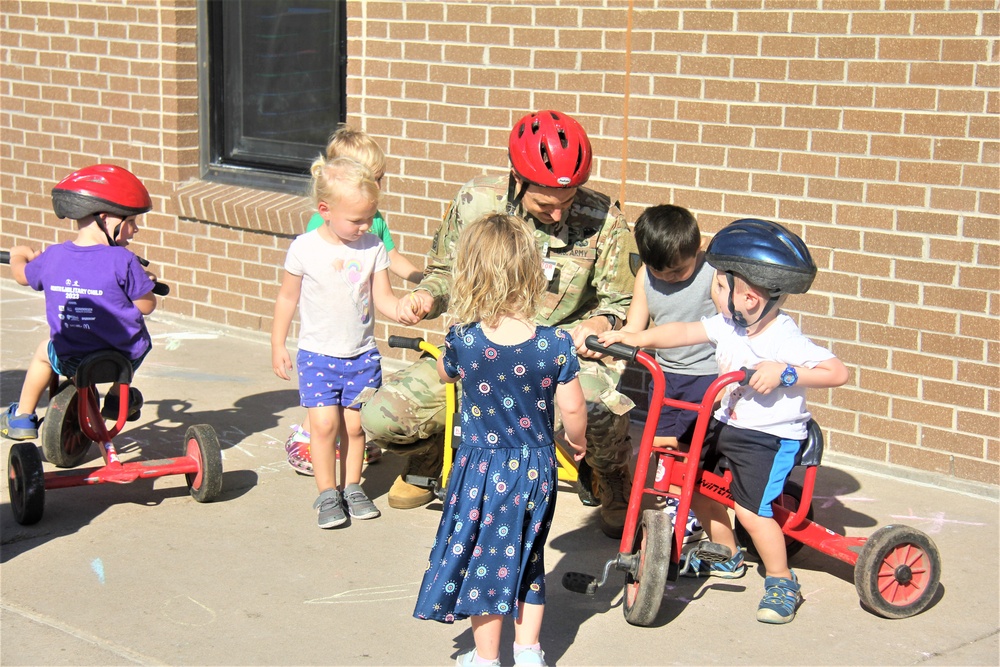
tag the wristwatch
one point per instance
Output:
(612, 320)
(789, 376)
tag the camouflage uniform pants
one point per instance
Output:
(409, 408)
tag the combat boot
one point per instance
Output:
(423, 465)
(613, 489)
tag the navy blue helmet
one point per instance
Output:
(765, 254)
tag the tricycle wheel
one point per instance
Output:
(644, 586)
(26, 483)
(897, 572)
(202, 444)
(790, 499)
(63, 442)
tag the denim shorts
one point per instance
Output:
(67, 367)
(325, 381)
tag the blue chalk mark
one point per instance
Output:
(97, 565)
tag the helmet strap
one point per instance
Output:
(102, 223)
(513, 201)
(737, 316)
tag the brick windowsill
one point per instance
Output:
(243, 208)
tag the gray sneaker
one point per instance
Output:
(330, 507)
(358, 504)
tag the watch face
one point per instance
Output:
(788, 377)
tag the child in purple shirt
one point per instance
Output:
(96, 292)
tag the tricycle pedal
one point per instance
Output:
(579, 582)
(422, 481)
(711, 552)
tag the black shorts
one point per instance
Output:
(760, 463)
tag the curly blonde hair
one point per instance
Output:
(497, 271)
(332, 178)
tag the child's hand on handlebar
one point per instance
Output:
(766, 377)
(620, 336)
(24, 252)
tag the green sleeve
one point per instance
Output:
(315, 222)
(381, 230)
(437, 274)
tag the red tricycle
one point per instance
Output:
(73, 422)
(896, 571)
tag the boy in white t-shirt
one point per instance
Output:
(759, 427)
(338, 272)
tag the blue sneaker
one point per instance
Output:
(693, 532)
(781, 598)
(18, 427)
(469, 660)
(694, 567)
(530, 656)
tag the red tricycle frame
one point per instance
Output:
(896, 570)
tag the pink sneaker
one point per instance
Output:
(297, 449)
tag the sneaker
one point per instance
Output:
(358, 504)
(469, 660)
(530, 656)
(110, 409)
(297, 450)
(693, 532)
(781, 598)
(694, 567)
(330, 507)
(18, 427)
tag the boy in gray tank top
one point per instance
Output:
(674, 285)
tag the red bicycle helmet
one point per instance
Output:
(550, 149)
(100, 188)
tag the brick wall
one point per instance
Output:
(869, 126)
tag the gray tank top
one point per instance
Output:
(688, 301)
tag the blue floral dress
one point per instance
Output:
(488, 553)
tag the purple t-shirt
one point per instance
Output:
(88, 298)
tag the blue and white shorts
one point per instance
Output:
(325, 381)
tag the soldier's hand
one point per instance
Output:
(591, 327)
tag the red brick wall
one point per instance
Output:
(868, 126)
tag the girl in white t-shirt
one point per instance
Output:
(336, 276)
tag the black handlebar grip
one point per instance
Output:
(161, 289)
(4, 257)
(405, 341)
(748, 373)
(618, 350)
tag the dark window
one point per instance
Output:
(277, 72)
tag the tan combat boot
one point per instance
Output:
(613, 488)
(425, 461)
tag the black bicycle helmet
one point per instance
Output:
(766, 255)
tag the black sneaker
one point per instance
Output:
(110, 409)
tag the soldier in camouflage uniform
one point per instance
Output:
(585, 243)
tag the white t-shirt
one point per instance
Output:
(783, 412)
(335, 306)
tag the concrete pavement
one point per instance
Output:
(143, 574)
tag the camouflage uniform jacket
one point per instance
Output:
(590, 249)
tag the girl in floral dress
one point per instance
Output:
(487, 561)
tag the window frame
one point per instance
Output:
(214, 165)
